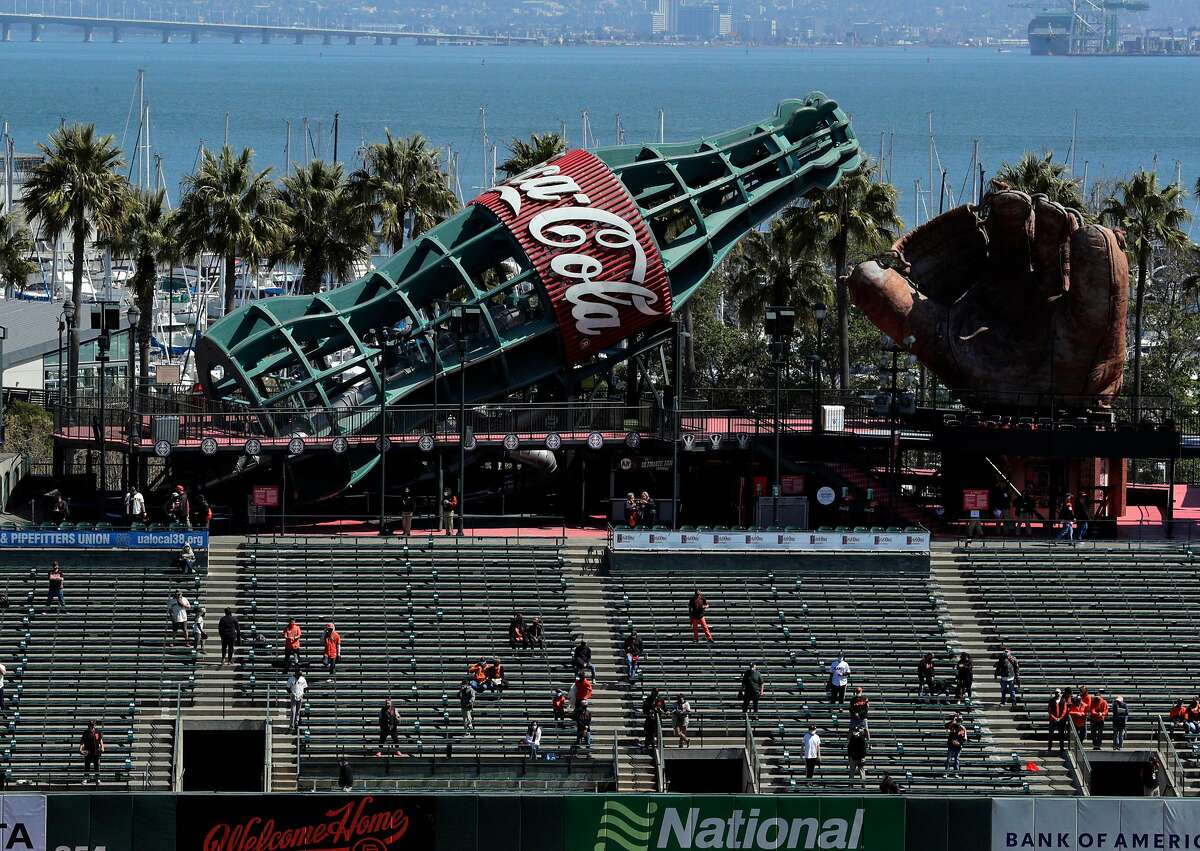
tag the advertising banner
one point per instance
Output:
(305, 823)
(111, 822)
(103, 540)
(723, 541)
(23, 822)
(754, 822)
(1095, 823)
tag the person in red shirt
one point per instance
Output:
(333, 648)
(1086, 697)
(91, 745)
(698, 613)
(1178, 715)
(1057, 712)
(583, 689)
(559, 704)
(291, 643)
(1097, 714)
(1077, 712)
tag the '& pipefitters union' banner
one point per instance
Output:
(593, 252)
(305, 823)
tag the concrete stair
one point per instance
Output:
(612, 701)
(1021, 732)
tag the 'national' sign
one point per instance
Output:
(584, 235)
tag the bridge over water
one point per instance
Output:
(266, 33)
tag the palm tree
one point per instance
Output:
(402, 185)
(76, 188)
(327, 229)
(1034, 175)
(145, 237)
(524, 155)
(774, 267)
(16, 244)
(230, 209)
(857, 215)
(1152, 217)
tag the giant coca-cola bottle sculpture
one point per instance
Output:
(567, 261)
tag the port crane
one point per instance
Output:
(1090, 25)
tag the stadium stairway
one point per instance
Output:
(1011, 733)
(610, 700)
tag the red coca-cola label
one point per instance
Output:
(596, 258)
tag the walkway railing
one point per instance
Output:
(1171, 760)
(1079, 757)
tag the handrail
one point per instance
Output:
(177, 743)
(616, 762)
(660, 780)
(752, 754)
(1081, 762)
(1170, 757)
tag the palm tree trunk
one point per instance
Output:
(230, 282)
(689, 350)
(144, 287)
(80, 232)
(840, 252)
(1143, 261)
(310, 278)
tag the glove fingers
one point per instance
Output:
(1009, 226)
(1053, 226)
(1090, 326)
(943, 257)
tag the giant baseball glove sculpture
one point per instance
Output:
(1008, 302)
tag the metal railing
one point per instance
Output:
(1103, 533)
(1079, 759)
(616, 762)
(660, 774)
(1170, 757)
(752, 756)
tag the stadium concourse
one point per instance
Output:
(415, 615)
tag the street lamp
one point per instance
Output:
(895, 349)
(65, 323)
(134, 316)
(780, 325)
(466, 317)
(385, 339)
(820, 311)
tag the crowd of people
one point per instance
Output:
(640, 510)
(1016, 514)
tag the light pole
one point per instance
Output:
(820, 311)
(780, 325)
(385, 339)
(3, 336)
(895, 349)
(467, 318)
(134, 315)
(65, 323)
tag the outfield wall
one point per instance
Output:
(334, 822)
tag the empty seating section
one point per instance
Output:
(1117, 619)
(793, 623)
(412, 618)
(108, 652)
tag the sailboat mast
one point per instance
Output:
(141, 117)
(1074, 137)
(930, 190)
(287, 150)
(662, 126)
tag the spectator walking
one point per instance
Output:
(1067, 516)
(199, 635)
(956, 737)
(860, 707)
(964, 676)
(633, 653)
(532, 741)
(839, 678)
(631, 510)
(55, 581)
(178, 508)
(647, 510)
(925, 671)
(1008, 671)
(583, 689)
(558, 705)
(812, 751)
(291, 643)
(583, 728)
(389, 727)
(1120, 719)
(466, 705)
(177, 614)
(681, 712)
(654, 708)
(1097, 715)
(297, 685)
(231, 635)
(856, 752)
(1056, 713)
(91, 745)
(1082, 516)
(581, 659)
(752, 688)
(333, 648)
(406, 512)
(698, 612)
(137, 506)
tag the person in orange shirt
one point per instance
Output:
(1057, 712)
(583, 689)
(1097, 715)
(333, 648)
(1178, 715)
(1086, 697)
(291, 643)
(1077, 712)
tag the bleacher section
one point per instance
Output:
(1116, 618)
(413, 616)
(793, 623)
(109, 651)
